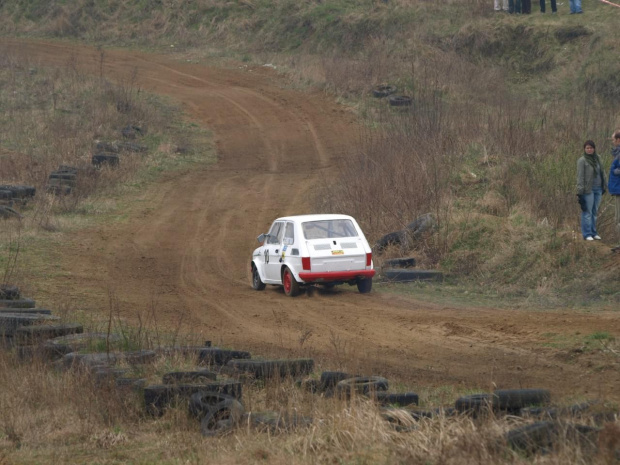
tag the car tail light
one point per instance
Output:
(305, 263)
(368, 259)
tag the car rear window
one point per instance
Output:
(328, 229)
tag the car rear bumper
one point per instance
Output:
(327, 276)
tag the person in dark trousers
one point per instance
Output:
(614, 182)
(591, 186)
(514, 6)
(554, 7)
(526, 7)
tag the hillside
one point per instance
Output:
(502, 104)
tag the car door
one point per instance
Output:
(273, 252)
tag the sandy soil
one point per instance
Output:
(183, 255)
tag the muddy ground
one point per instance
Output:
(183, 254)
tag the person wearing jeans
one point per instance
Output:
(575, 7)
(514, 6)
(591, 186)
(614, 182)
(554, 7)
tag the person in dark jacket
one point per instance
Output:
(614, 181)
(591, 186)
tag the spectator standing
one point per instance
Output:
(554, 7)
(591, 186)
(575, 7)
(614, 181)
(514, 6)
(501, 5)
(526, 7)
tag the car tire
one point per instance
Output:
(290, 284)
(400, 101)
(221, 418)
(513, 400)
(364, 286)
(257, 283)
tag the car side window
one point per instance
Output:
(275, 235)
(289, 234)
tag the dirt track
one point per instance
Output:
(187, 245)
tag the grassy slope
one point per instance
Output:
(507, 100)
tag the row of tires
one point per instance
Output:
(394, 100)
(218, 404)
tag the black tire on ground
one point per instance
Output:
(17, 303)
(393, 238)
(290, 284)
(257, 283)
(199, 376)
(383, 91)
(400, 101)
(221, 418)
(105, 159)
(364, 286)
(515, 399)
(33, 334)
(399, 399)
(26, 311)
(400, 263)
(262, 369)
(365, 385)
(329, 379)
(474, 404)
(200, 402)
(157, 398)
(405, 276)
(10, 322)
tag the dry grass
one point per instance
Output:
(63, 414)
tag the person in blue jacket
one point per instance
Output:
(591, 185)
(614, 181)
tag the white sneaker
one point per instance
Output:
(597, 237)
(589, 238)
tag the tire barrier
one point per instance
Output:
(262, 369)
(33, 334)
(157, 398)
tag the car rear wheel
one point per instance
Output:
(291, 286)
(364, 285)
(257, 283)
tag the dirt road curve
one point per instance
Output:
(187, 243)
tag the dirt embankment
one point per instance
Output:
(184, 251)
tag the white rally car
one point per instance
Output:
(312, 249)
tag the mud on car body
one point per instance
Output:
(312, 249)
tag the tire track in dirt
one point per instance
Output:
(188, 246)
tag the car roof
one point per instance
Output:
(315, 217)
